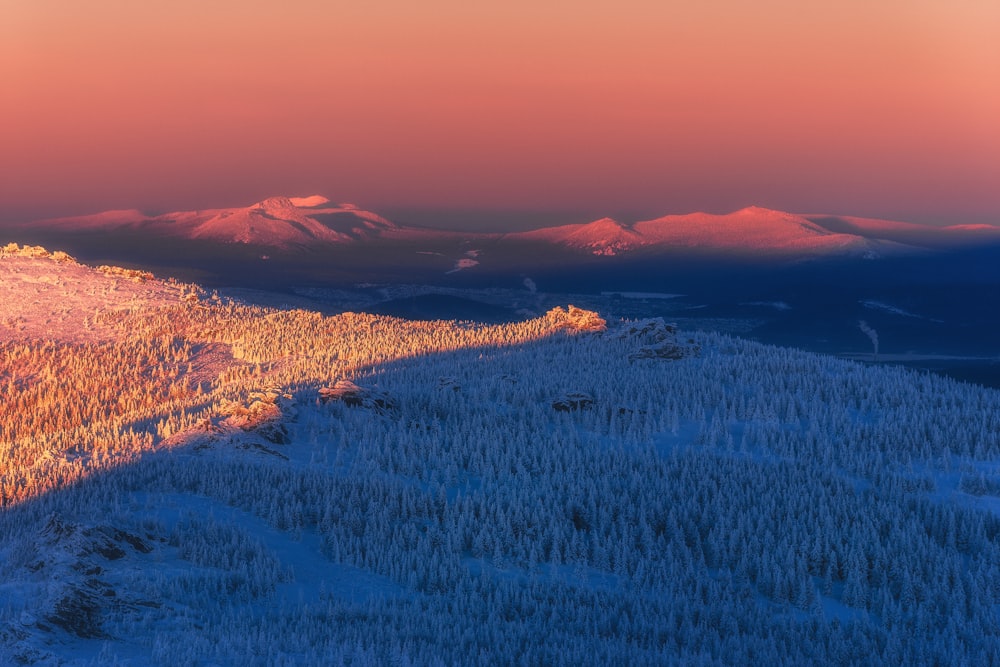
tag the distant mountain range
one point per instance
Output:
(287, 223)
(280, 222)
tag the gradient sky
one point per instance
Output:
(884, 108)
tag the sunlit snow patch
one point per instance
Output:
(464, 263)
(309, 202)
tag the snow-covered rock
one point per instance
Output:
(572, 401)
(576, 319)
(653, 338)
(355, 396)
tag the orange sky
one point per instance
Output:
(881, 108)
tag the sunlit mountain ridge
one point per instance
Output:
(296, 222)
(278, 222)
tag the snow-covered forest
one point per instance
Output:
(187, 480)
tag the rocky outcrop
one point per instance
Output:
(356, 396)
(36, 252)
(262, 415)
(655, 339)
(573, 401)
(129, 274)
(576, 319)
(260, 410)
(73, 558)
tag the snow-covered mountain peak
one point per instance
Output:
(604, 228)
(311, 201)
(749, 230)
(284, 222)
(757, 211)
(605, 236)
(274, 203)
(605, 223)
(282, 203)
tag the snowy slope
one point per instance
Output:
(600, 237)
(217, 483)
(283, 222)
(271, 222)
(909, 233)
(49, 296)
(280, 222)
(749, 231)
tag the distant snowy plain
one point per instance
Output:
(188, 480)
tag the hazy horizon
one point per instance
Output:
(459, 218)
